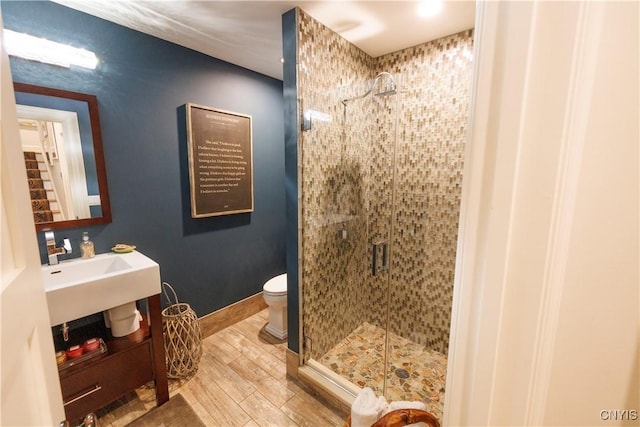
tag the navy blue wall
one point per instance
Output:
(141, 84)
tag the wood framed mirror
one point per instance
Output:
(62, 142)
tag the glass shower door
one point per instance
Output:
(347, 178)
(334, 230)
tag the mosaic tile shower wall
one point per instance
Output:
(347, 177)
(436, 82)
(334, 202)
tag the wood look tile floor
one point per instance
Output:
(241, 381)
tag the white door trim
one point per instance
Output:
(530, 106)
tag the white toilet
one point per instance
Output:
(275, 295)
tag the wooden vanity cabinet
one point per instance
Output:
(126, 366)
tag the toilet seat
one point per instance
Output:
(276, 286)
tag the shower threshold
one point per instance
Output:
(329, 384)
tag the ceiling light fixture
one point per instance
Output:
(43, 50)
(429, 8)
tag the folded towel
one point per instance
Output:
(367, 408)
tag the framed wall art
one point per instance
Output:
(220, 150)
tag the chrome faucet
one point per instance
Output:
(52, 250)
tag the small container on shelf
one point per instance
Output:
(61, 357)
(91, 344)
(74, 351)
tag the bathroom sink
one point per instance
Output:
(79, 287)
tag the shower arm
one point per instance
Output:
(344, 101)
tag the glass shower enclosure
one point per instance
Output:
(373, 311)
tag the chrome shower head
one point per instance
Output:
(389, 89)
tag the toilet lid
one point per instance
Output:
(276, 285)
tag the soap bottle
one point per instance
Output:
(86, 247)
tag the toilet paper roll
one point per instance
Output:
(125, 326)
(123, 311)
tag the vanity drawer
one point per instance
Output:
(95, 386)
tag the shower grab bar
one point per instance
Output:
(379, 267)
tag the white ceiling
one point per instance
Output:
(249, 33)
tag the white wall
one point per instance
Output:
(595, 364)
(545, 323)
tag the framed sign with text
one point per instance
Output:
(220, 161)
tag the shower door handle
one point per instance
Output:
(385, 257)
(374, 258)
(380, 248)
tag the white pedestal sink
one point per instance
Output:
(79, 287)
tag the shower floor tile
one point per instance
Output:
(414, 372)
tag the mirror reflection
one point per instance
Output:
(61, 141)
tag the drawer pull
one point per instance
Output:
(83, 395)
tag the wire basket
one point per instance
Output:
(182, 337)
